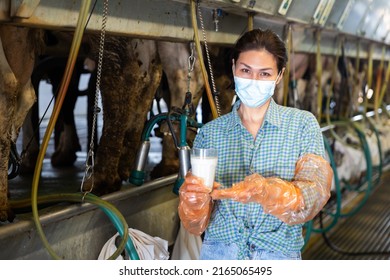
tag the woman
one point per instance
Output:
(271, 173)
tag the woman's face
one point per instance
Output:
(256, 65)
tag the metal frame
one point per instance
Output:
(356, 20)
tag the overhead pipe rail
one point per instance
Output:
(168, 20)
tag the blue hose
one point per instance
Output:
(119, 227)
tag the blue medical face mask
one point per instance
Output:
(254, 93)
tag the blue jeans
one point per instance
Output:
(214, 250)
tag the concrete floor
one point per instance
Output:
(362, 236)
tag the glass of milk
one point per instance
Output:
(203, 164)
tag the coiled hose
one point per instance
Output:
(338, 214)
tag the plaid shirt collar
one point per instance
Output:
(272, 116)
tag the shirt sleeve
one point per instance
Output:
(312, 142)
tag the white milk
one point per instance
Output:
(204, 168)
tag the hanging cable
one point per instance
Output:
(342, 251)
(330, 94)
(215, 92)
(89, 162)
(369, 78)
(286, 80)
(384, 87)
(210, 97)
(319, 75)
(378, 86)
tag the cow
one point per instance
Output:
(131, 73)
(122, 125)
(19, 47)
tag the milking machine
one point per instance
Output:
(184, 117)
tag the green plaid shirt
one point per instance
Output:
(286, 134)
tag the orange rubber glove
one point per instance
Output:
(292, 202)
(195, 204)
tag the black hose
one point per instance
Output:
(345, 252)
(170, 125)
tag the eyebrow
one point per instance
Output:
(262, 69)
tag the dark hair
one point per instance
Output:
(259, 39)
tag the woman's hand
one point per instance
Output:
(277, 196)
(249, 190)
(292, 202)
(195, 204)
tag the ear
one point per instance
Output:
(280, 77)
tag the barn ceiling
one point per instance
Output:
(363, 22)
(366, 18)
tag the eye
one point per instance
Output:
(245, 70)
(264, 74)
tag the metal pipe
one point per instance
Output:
(137, 175)
(142, 155)
(184, 159)
(356, 118)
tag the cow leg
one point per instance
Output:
(8, 84)
(17, 56)
(140, 103)
(7, 107)
(30, 128)
(68, 143)
(115, 94)
(174, 59)
(30, 141)
(122, 83)
(26, 99)
(23, 118)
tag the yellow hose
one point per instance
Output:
(250, 21)
(357, 67)
(286, 80)
(319, 75)
(202, 65)
(369, 77)
(384, 87)
(327, 114)
(85, 6)
(379, 76)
